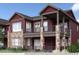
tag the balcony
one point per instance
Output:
(48, 33)
(67, 32)
(37, 34)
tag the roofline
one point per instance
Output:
(69, 16)
(16, 13)
(58, 9)
(50, 6)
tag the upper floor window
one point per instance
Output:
(45, 24)
(77, 28)
(28, 26)
(16, 27)
(37, 27)
(65, 25)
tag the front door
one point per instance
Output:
(36, 43)
(49, 44)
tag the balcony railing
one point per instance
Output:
(67, 32)
(37, 34)
(48, 33)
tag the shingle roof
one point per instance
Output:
(3, 22)
(28, 17)
(24, 16)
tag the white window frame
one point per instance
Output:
(28, 42)
(16, 26)
(37, 27)
(66, 25)
(45, 25)
(28, 27)
(16, 43)
(77, 28)
(77, 40)
(37, 44)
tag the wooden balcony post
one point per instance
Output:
(41, 34)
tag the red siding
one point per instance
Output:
(51, 24)
(75, 33)
(48, 9)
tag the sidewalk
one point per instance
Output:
(39, 53)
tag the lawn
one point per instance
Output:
(12, 50)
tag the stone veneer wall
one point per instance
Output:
(13, 35)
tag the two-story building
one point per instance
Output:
(53, 29)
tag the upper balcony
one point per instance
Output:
(37, 34)
(47, 33)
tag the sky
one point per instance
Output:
(33, 9)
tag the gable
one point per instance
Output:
(15, 17)
(48, 9)
(70, 13)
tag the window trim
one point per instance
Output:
(16, 42)
(30, 27)
(45, 26)
(77, 28)
(14, 30)
(35, 29)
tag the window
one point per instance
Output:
(45, 24)
(65, 25)
(77, 28)
(36, 44)
(37, 27)
(78, 40)
(28, 26)
(28, 42)
(16, 27)
(16, 43)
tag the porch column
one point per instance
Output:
(64, 39)
(41, 35)
(57, 34)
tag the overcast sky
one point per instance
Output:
(31, 9)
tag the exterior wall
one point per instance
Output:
(11, 35)
(74, 32)
(51, 24)
(14, 19)
(15, 35)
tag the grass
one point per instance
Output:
(12, 50)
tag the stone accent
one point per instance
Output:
(42, 38)
(8, 41)
(15, 35)
(58, 37)
(64, 41)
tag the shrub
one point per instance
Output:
(73, 48)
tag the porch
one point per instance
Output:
(34, 44)
(49, 44)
